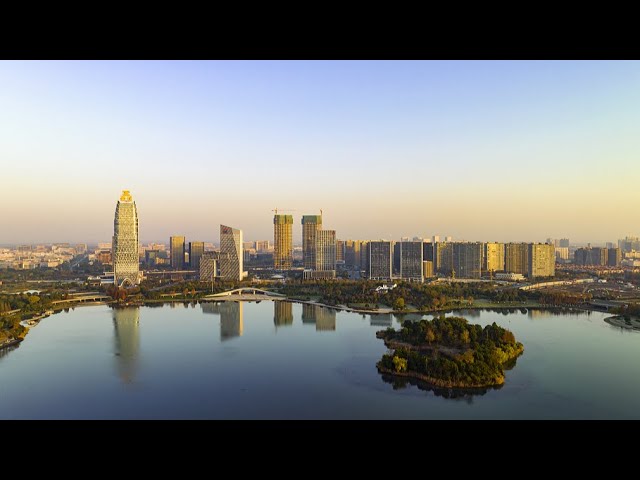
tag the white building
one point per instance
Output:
(513, 277)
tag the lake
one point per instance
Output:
(281, 360)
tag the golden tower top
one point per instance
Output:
(126, 196)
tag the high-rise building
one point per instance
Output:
(541, 260)
(599, 256)
(283, 242)
(629, 244)
(614, 257)
(196, 249)
(340, 251)
(231, 267)
(443, 258)
(352, 253)
(151, 257)
(209, 266)
(516, 256)
(310, 225)
(364, 256)
(263, 246)
(380, 260)
(325, 250)
(467, 259)
(395, 269)
(493, 258)
(427, 269)
(591, 256)
(562, 254)
(564, 242)
(104, 256)
(581, 257)
(411, 267)
(126, 264)
(176, 244)
(427, 251)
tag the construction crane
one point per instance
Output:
(283, 210)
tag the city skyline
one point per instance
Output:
(502, 151)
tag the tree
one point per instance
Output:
(430, 336)
(398, 304)
(399, 364)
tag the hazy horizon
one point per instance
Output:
(478, 150)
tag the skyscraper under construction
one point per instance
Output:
(282, 242)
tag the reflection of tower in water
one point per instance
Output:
(127, 341)
(308, 313)
(535, 313)
(231, 320)
(324, 318)
(282, 313)
(381, 320)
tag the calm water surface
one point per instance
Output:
(278, 360)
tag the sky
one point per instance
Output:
(478, 150)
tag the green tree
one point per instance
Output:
(398, 304)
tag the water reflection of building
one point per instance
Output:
(309, 313)
(324, 318)
(282, 313)
(381, 320)
(127, 341)
(231, 318)
(535, 313)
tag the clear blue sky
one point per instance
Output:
(477, 150)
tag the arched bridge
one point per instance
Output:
(246, 292)
(83, 299)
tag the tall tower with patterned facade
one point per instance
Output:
(126, 266)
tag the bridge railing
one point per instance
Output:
(246, 291)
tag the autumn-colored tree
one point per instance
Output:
(430, 336)
(399, 364)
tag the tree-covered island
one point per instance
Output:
(449, 352)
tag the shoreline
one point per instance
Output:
(11, 343)
(340, 308)
(436, 382)
(386, 311)
(620, 322)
